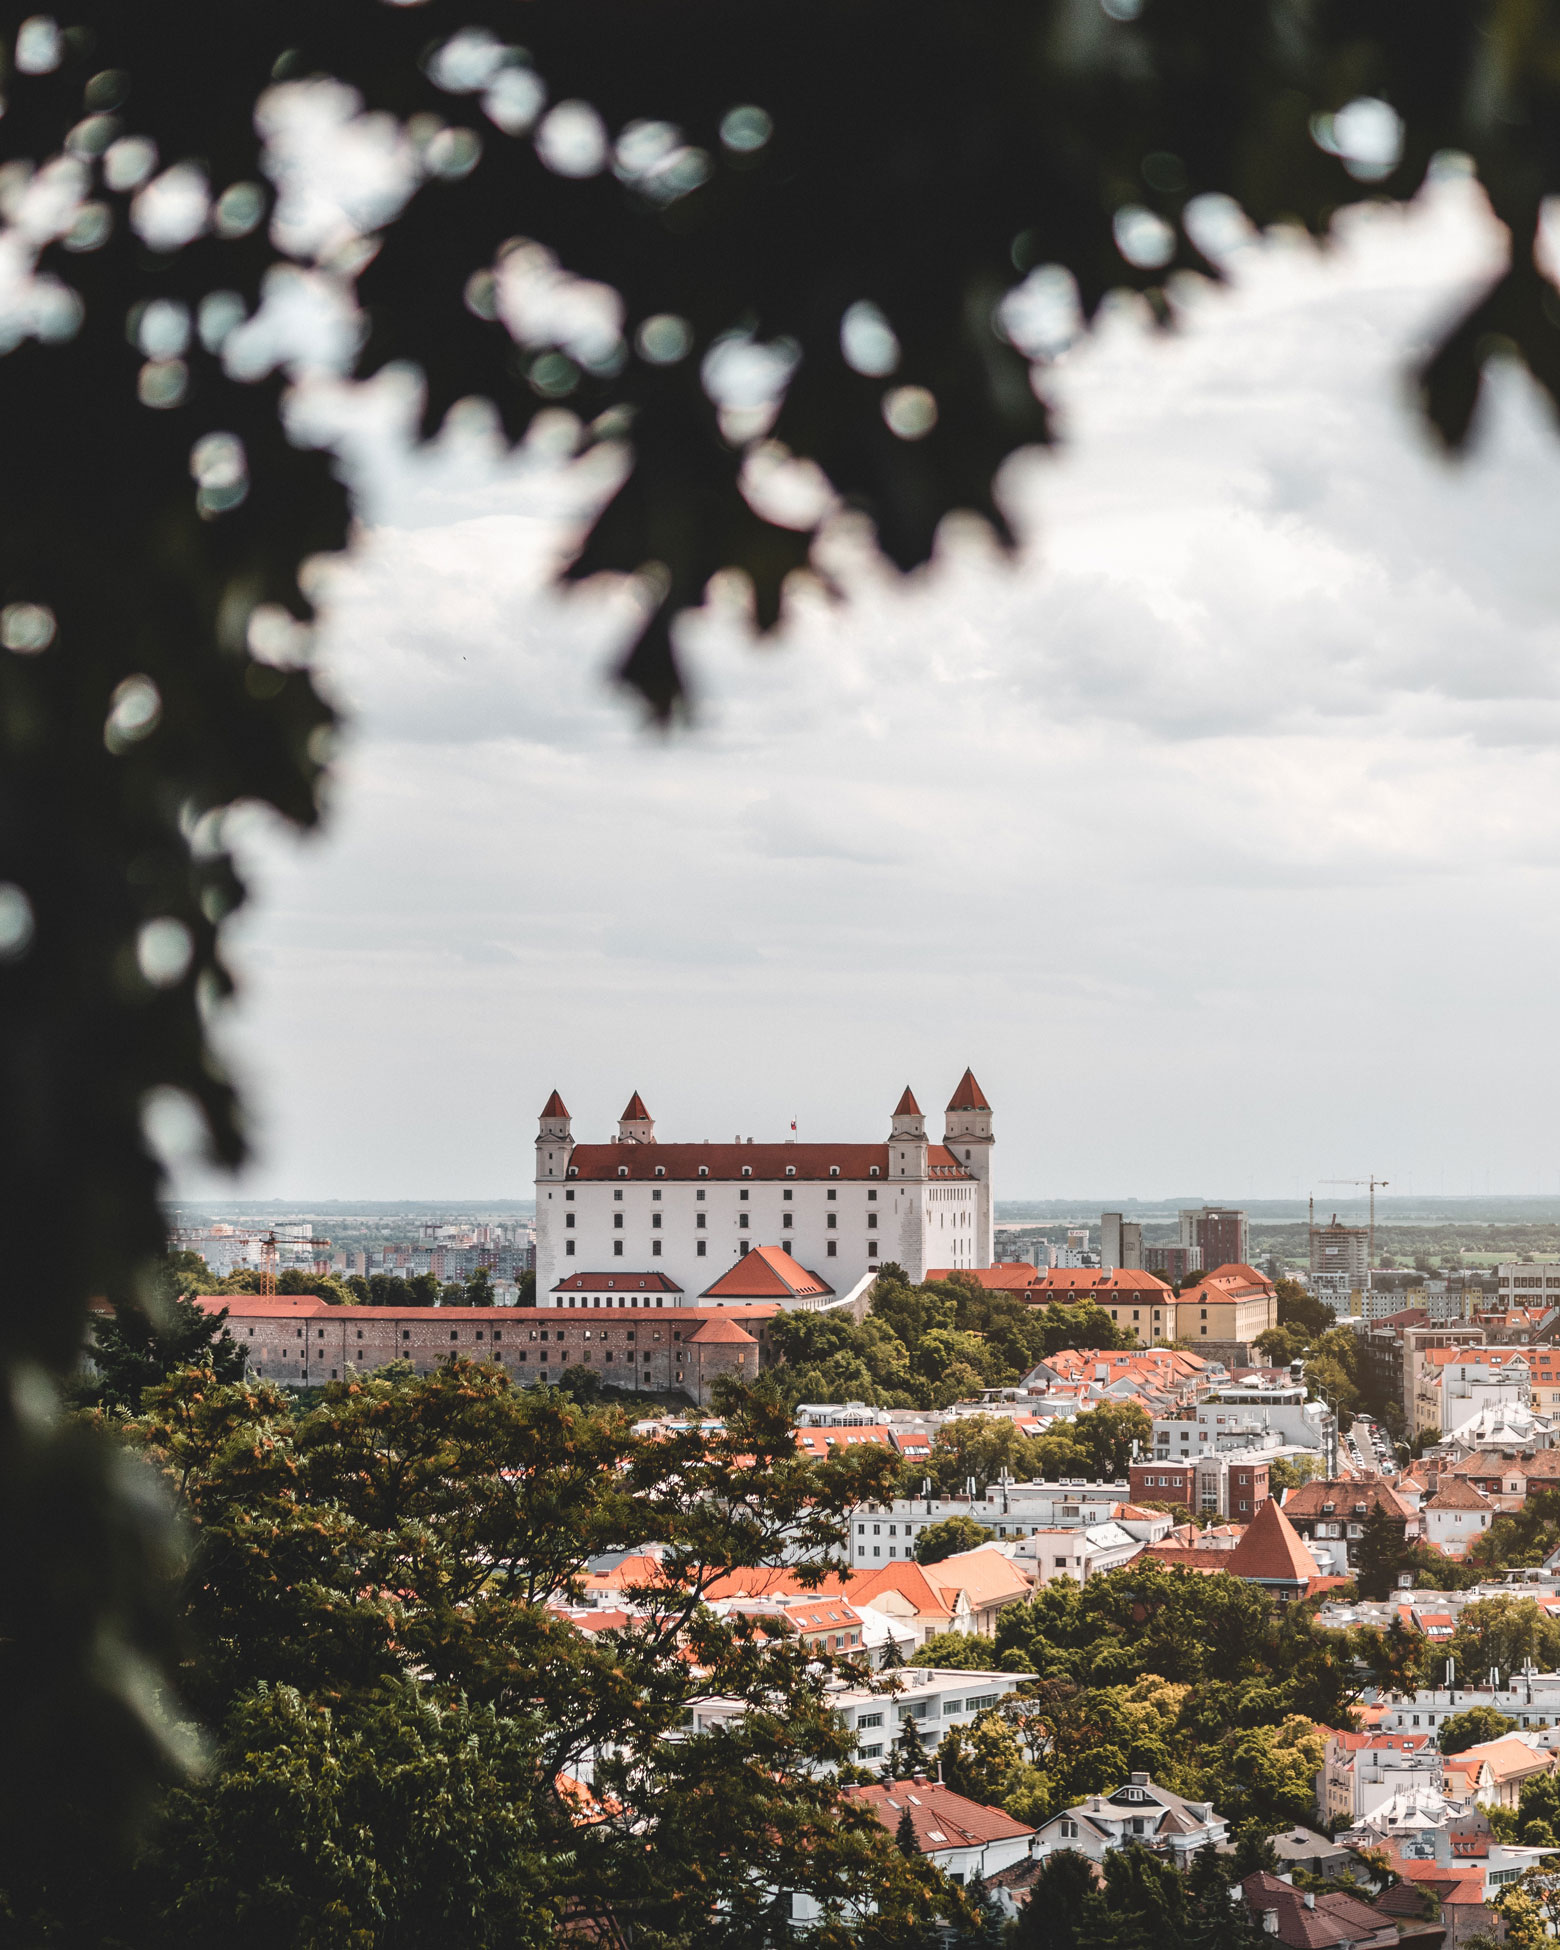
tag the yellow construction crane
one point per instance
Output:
(1373, 1183)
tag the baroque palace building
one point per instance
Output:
(640, 1216)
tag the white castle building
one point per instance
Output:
(714, 1224)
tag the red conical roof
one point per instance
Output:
(555, 1106)
(1272, 1550)
(969, 1095)
(636, 1109)
(907, 1105)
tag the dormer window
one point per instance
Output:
(747, 1171)
(834, 1171)
(704, 1171)
(660, 1171)
(574, 1171)
(790, 1171)
(622, 1171)
(872, 1171)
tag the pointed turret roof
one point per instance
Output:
(636, 1110)
(1272, 1551)
(555, 1106)
(969, 1095)
(907, 1105)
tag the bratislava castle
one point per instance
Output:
(651, 1218)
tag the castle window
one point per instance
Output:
(568, 1218)
(574, 1171)
(742, 1194)
(617, 1220)
(871, 1198)
(655, 1249)
(704, 1171)
(790, 1172)
(872, 1171)
(700, 1197)
(834, 1195)
(747, 1171)
(617, 1249)
(832, 1248)
(660, 1172)
(655, 1197)
(744, 1219)
(833, 1219)
(700, 1250)
(701, 1219)
(568, 1196)
(788, 1194)
(834, 1171)
(568, 1249)
(655, 1220)
(622, 1171)
(787, 1220)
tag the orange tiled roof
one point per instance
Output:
(689, 1162)
(968, 1095)
(555, 1106)
(767, 1273)
(1272, 1550)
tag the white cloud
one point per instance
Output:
(1219, 834)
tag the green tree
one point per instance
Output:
(946, 1539)
(134, 1349)
(904, 1836)
(1299, 1307)
(1059, 1908)
(1472, 1727)
(1289, 1472)
(1381, 1554)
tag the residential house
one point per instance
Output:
(1335, 1510)
(1493, 1773)
(1456, 1515)
(965, 1839)
(1459, 1383)
(1139, 1814)
(980, 1584)
(1078, 1554)
(1316, 1922)
(1361, 1771)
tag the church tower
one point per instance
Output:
(968, 1135)
(636, 1125)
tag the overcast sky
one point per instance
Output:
(1219, 835)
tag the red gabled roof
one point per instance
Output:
(767, 1273)
(907, 1105)
(969, 1095)
(635, 1110)
(1272, 1550)
(555, 1106)
(941, 1819)
(689, 1162)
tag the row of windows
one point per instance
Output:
(787, 1195)
(701, 1221)
(747, 1171)
(701, 1249)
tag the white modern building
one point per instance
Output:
(689, 1213)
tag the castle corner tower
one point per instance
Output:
(636, 1125)
(968, 1135)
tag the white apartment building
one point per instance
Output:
(879, 1532)
(1532, 1699)
(934, 1697)
(1247, 1415)
(636, 1207)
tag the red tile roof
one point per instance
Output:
(941, 1819)
(1455, 1494)
(250, 1306)
(1125, 1280)
(1272, 1550)
(969, 1095)
(615, 1283)
(1007, 1276)
(635, 1110)
(1344, 1493)
(767, 1273)
(768, 1161)
(722, 1330)
(907, 1105)
(555, 1106)
(281, 1306)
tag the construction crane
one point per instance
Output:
(1373, 1183)
(270, 1242)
